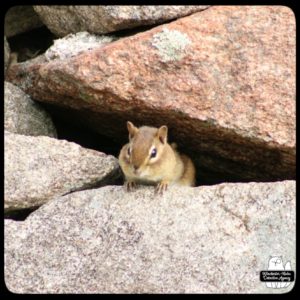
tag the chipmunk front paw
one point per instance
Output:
(130, 185)
(161, 187)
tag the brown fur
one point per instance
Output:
(168, 167)
(189, 171)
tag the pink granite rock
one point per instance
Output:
(223, 80)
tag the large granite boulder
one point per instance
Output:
(38, 169)
(62, 20)
(223, 80)
(213, 239)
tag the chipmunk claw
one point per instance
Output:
(130, 185)
(161, 188)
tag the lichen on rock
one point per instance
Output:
(170, 44)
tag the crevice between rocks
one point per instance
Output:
(114, 178)
(19, 214)
(31, 43)
(220, 155)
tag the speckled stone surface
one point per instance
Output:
(24, 116)
(222, 80)
(74, 44)
(213, 239)
(38, 169)
(62, 20)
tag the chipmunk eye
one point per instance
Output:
(153, 153)
(128, 151)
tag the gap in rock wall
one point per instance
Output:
(75, 130)
(256, 162)
(71, 126)
(36, 41)
(31, 43)
(132, 31)
(20, 214)
(78, 133)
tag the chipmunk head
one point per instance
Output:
(146, 145)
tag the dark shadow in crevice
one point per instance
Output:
(19, 214)
(80, 134)
(251, 161)
(31, 43)
(72, 128)
(22, 214)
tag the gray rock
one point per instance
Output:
(210, 239)
(38, 169)
(62, 20)
(19, 19)
(24, 116)
(6, 54)
(74, 44)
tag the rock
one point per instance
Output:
(19, 19)
(213, 239)
(6, 54)
(74, 44)
(223, 80)
(62, 20)
(24, 116)
(38, 169)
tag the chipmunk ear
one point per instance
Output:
(131, 129)
(162, 134)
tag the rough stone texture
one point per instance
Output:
(38, 169)
(6, 54)
(24, 116)
(213, 239)
(223, 80)
(74, 44)
(62, 20)
(19, 19)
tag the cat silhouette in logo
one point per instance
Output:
(276, 264)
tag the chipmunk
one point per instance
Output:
(148, 158)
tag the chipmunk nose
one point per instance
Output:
(135, 167)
